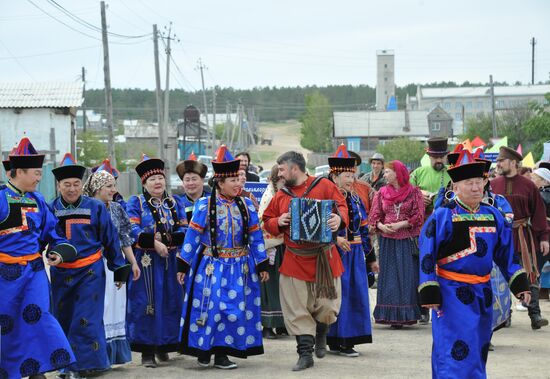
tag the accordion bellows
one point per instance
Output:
(309, 220)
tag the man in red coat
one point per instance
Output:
(530, 226)
(310, 273)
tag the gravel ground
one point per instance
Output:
(519, 353)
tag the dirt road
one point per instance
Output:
(519, 353)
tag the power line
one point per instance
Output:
(17, 61)
(51, 53)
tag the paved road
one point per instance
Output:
(520, 353)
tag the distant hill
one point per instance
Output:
(270, 103)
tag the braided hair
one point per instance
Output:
(212, 212)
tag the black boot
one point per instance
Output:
(148, 359)
(321, 340)
(223, 362)
(537, 321)
(162, 357)
(305, 351)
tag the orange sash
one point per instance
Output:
(83, 261)
(22, 260)
(463, 278)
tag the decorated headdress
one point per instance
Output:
(453, 157)
(68, 169)
(6, 163)
(149, 167)
(466, 167)
(106, 166)
(25, 156)
(191, 165)
(224, 165)
(341, 161)
(480, 157)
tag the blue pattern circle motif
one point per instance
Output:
(488, 297)
(481, 247)
(430, 229)
(428, 264)
(32, 314)
(6, 323)
(10, 272)
(29, 367)
(460, 350)
(465, 294)
(37, 265)
(60, 358)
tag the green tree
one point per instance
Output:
(538, 127)
(91, 150)
(316, 131)
(479, 125)
(402, 149)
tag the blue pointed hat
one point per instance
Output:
(149, 167)
(25, 156)
(68, 169)
(106, 166)
(466, 167)
(341, 161)
(224, 164)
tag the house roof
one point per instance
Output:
(380, 124)
(534, 90)
(41, 95)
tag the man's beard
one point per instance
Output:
(505, 172)
(438, 166)
(290, 182)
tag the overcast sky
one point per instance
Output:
(252, 43)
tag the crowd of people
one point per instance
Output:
(214, 271)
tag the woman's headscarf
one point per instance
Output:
(389, 194)
(96, 181)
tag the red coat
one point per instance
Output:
(299, 267)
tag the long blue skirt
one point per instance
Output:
(154, 304)
(353, 325)
(462, 330)
(397, 298)
(78, 300)
(228, 300)
(32, 339)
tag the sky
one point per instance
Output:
(257, 43)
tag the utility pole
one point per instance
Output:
(533, 43)
(108, 94)
(213, 116)
(166, 117)
(84, 118)
(201, 67)
(494, 121)
(228, 123)
(158, 89)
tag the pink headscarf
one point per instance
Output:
(389, 194)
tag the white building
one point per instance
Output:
(44, 112)
(464, 102)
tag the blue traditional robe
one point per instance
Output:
(156, 298)
(221, 310)
(187, 204)
(457, 250)
(79, 288)
(353, 325)
(32, 339)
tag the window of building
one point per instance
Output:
(468, 105)
(436, 126)
(385, 65)
(458, 105)
(479, 104)
(458, 116)
(447, 105)
(385, 79)
(500, 103)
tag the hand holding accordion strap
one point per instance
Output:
(324, 282)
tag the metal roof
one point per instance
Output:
(530, 90)
(41, 95)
